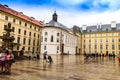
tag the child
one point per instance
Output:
(50, 59)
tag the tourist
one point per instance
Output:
(50, 59)
(9, 61)
(30, 55)
(2, 61)
(45, 56)
(119, 57)
(38, 56)
(34, 56)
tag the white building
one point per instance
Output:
(57, 38)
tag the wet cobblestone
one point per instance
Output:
(68, 67)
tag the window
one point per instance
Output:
(18, 40)
(34, 42)
(89, 51)
(57, 34)
(24, 40)
(100, 40)
(84, 41)
(19, 31)
(29, 33)
(33, 49)
(119, 47)
(57, 47)
(106, 40)
(29, 48)
(106, 46)
(6, 17)
(119, 40)
(95, 40)
(113, 52)
(29, 41)
(89, 40)
(41, 38)
(13, 28)
(17, 47)
(38, 35)
(52, 38)
(84, 35)
(45, 33)
(89, 46)
(38, 43)
(34, 34)
(100, 46)
(45, 47)
(113, 47)
(95, 46)
(84, 46)
(14, 20)
(37, 49)
(25, 24)
(89, 35)
(112, 40)
(38, 29)
(20, 22)
(45, 39)
(25, 32)
(95, 35)
(30, 26)
(57, 39)
(35, 28)
(106, 34)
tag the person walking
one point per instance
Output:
(30, 55)
(9, 61)
(2, 62)
(119, 57)
(34, 56)
(45, 56)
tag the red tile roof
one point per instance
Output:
(20, 15)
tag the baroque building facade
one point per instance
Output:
(57, 38)
(26, 30)
(101, 39)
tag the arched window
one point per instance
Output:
(52, 38)
(45, 47)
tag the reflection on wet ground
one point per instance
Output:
(67, 67)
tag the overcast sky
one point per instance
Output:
(70, 12)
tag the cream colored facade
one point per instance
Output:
(79, 43)
(27, 33)
(106, 42)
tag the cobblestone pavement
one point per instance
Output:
(67, 67)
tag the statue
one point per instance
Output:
(7, 38)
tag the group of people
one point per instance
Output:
(47, 58)
(6, 60)
(36, 56)
(101, 55)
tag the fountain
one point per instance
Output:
(7, 38)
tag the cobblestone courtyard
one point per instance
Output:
(67, 67)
